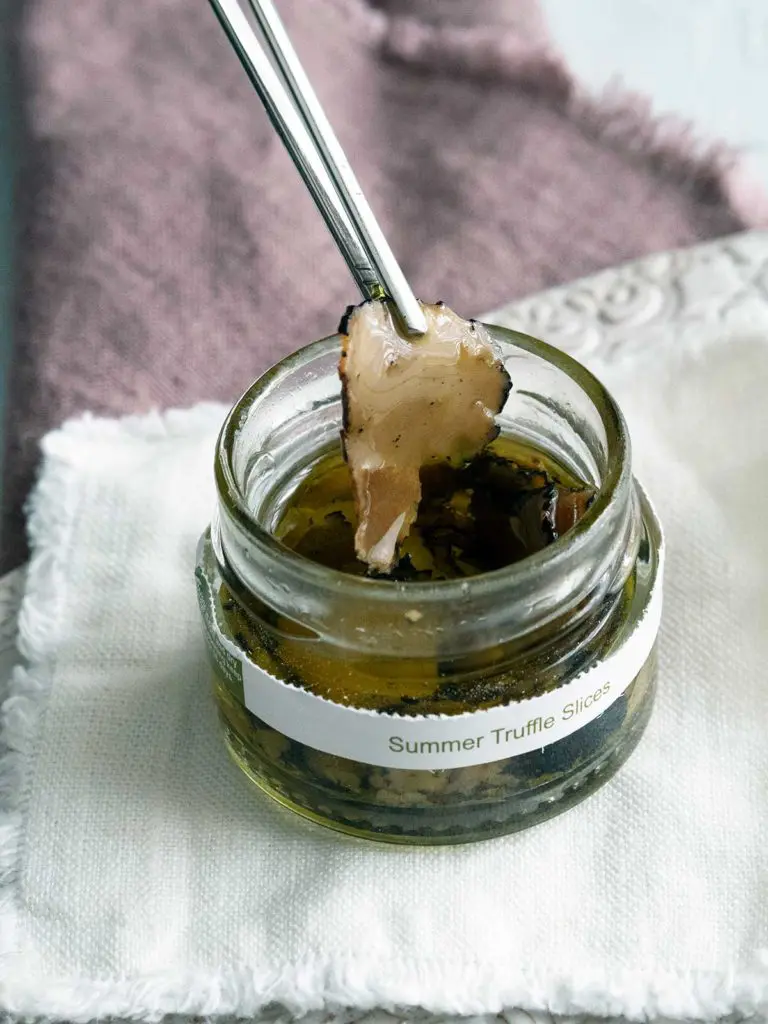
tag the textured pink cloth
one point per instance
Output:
(170, 253)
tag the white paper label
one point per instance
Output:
(430, 742)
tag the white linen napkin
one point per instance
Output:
(142, 875)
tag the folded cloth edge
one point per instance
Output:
(313, 984)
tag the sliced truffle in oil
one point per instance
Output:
(410, 402)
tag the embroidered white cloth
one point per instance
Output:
(141, 873)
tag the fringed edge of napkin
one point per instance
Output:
(351, 986)
(23, 704)
(51, 513)
(314, 988)
(615, 116)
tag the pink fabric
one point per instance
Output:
(170, 253)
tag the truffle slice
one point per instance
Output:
(410, 402)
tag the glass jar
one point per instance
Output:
(439, 712)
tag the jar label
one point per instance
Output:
(431, 742)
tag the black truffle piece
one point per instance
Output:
(562, 755)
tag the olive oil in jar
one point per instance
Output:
(507, 503)
(517, 580)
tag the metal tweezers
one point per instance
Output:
(275, 71)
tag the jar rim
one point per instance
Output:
(305, 572)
